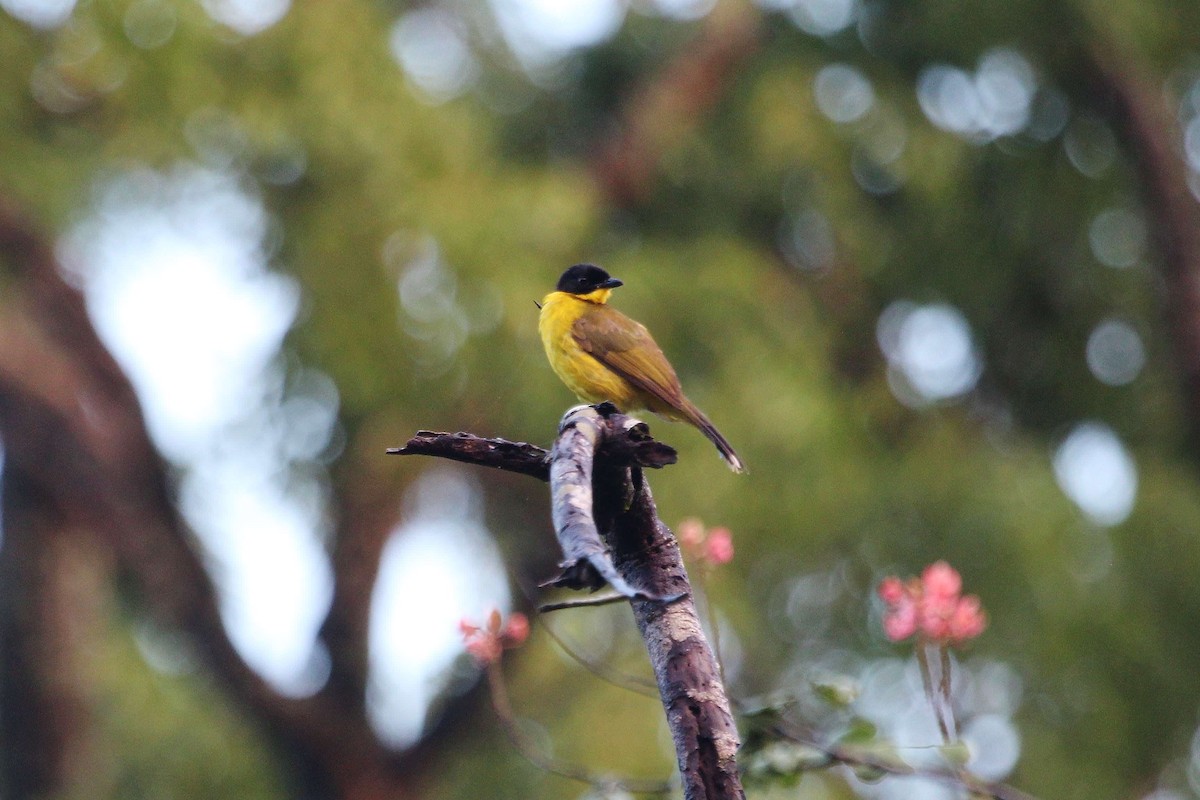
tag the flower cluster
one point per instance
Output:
(931, 607)
(712, 547)
(486, 643)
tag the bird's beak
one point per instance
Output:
(611, 283)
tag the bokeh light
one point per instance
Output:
(1115, 353)
(1090, 145)
(1095, 470)
(1117, 237)
(995, 746)
(807, 240)
(843, 93)
(185, 249)
(247, 17)
(433, 308)
(174, 268)
(274, 578)
(682, 9)
(1048, 115)
(930, 352)
(150, 23)
(1166, 794)
(881, 138)
(987, 697)
(439, 567)
(40, 13)
(1191, 143)
(820, 17)
(994, 101)
(539, 31)
(431, 45)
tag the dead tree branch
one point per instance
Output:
(526, 459)
(605, 516)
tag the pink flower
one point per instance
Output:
(968, 620)
(891, 590)
(691, 532)
(486, 644)
(931, 607)
(709, 547)
(516, 630)
(484, 649)
(719, 547)
(941, 580)
(900, 622)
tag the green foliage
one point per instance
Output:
(176, 733)
(846, 483)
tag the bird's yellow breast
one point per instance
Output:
(591, 381)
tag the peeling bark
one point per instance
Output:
(605, 517)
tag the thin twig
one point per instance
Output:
(564, 769)
(995, 791)
(598, 600)
(621, 680)
(944, 683)
(851, 757)
(930, 694)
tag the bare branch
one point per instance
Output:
(689, 678)
(601, 600)
(587, 563)
(526, 459)
(647, 556)
(609, 530)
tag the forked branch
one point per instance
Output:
(609, 530)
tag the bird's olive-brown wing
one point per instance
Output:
(626, 347)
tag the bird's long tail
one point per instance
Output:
(697, 418)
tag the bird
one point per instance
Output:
(603, 355)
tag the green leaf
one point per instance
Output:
(956, 753)
(868, 773)
(861, 731)
(838, 691)
(787, 758)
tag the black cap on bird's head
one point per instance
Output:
(585, 278)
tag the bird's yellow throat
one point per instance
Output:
(589, 380)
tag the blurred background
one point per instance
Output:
(933, 267)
